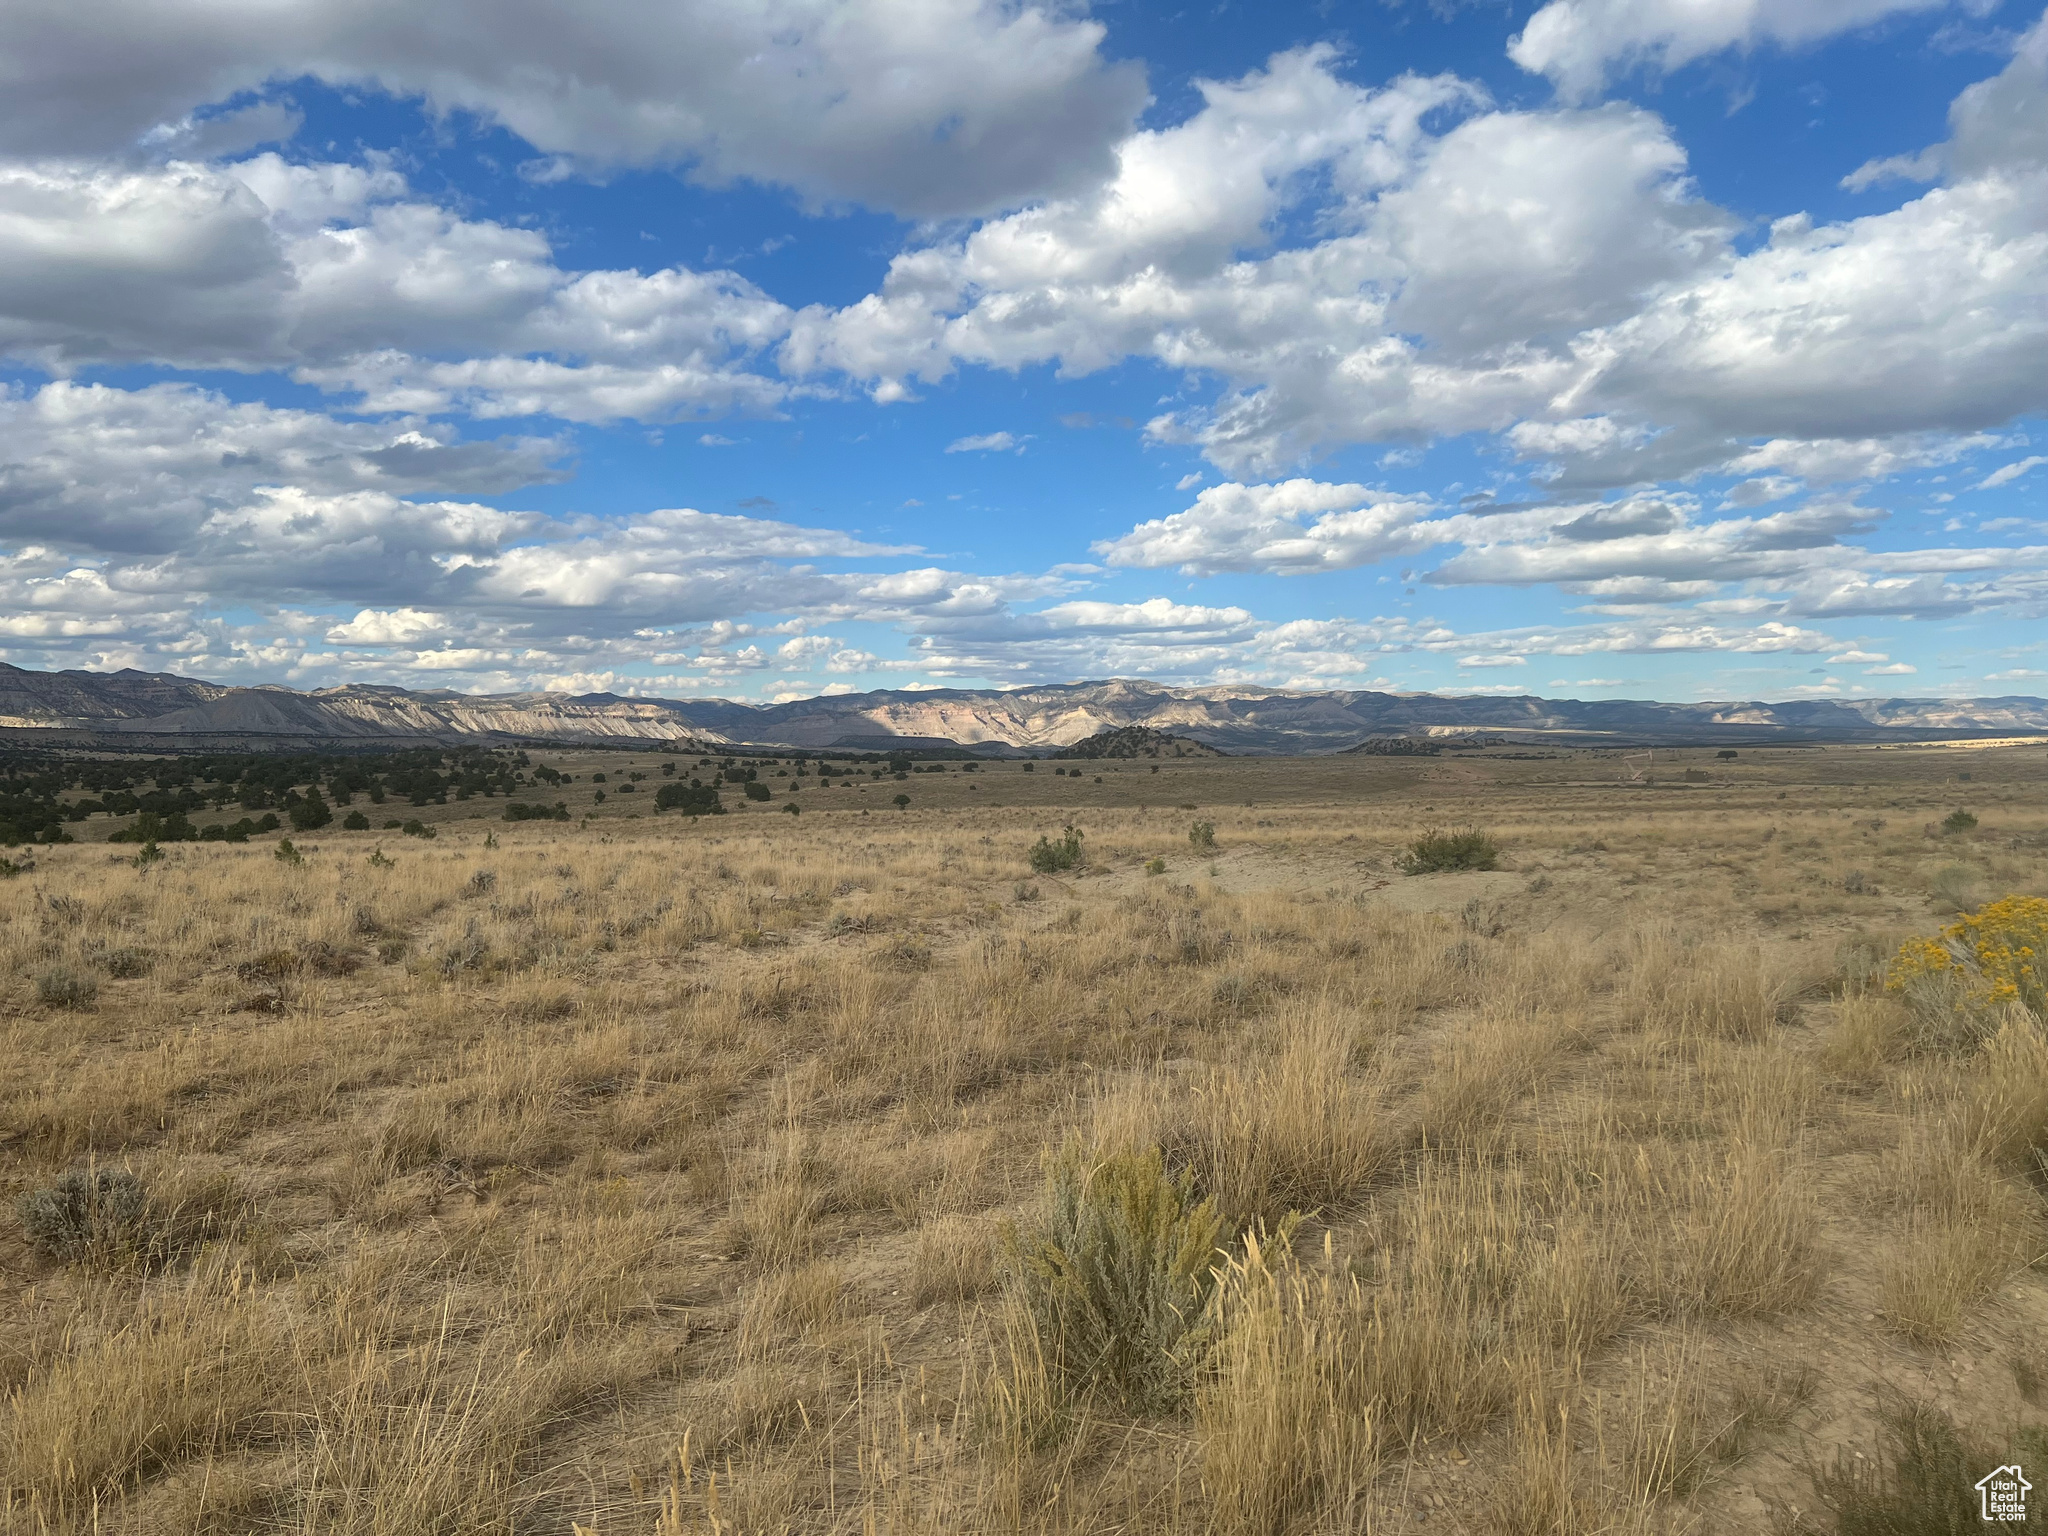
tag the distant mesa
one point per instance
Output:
(1118, 717)
(1138, 741)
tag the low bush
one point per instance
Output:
(88, 1213)
(124, 964)
(1975, 967)
(754, 791)
(62, 987)
(287, 852)
(1467, 848)
(418, 828)
(355, 821)
(1958, 821)
(1202, 835)
(1049, 857)
(1115, 1276)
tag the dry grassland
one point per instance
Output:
(835, 1173)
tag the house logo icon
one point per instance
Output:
(2004, 1495)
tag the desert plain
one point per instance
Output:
(843, 1172)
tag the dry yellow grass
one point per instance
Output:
(655, 1184)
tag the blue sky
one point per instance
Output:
(1598, 348)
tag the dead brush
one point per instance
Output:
(1303, 1130)
(955, 1261)
(1740, 1240)
(787, 1306)
(1683, 1417)
(1288, 1416)
(1968, 1224)
(1483, 1070)
(1716, 991)
(194, 1370)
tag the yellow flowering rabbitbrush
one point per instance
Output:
(1997, 954)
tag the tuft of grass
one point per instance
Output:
(1114, 1276)
(1289, 1421)
(1466, 848)
(954, 1262)
(1297, 1132)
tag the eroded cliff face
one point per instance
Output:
(1232, 718)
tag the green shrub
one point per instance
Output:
(287, 852)
(237, 831)
(690, 799)
(311, 813)
(152, 828)
(1468, 848)
(418, 828)
(147, 855)
(1155, 866)
(62, 987)
(1115, 1277)
(1048, 857)
(754, 791)
(1958, 821)
(901, 802)
(1202, 836)
(1922, 1478)
(88, 1213)
(355, 821)
(518, 810)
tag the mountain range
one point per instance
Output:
(163, 711)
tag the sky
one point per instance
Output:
(763, 349)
